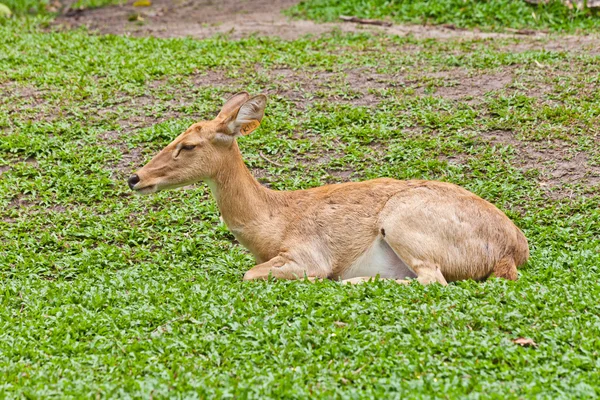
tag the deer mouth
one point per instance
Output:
(145, 189)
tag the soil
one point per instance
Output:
(460, 85)
(554, 159)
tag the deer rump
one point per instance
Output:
(394, 229)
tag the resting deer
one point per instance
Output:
(428, 230)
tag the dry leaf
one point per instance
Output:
(340, 324)
(135, 17)
(142, 3)
(525, 342)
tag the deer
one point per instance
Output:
(353, 232)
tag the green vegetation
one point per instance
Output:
(486, 14)
(49, 7)
(106, 293)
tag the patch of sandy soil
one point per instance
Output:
(205, 18)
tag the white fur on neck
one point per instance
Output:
(213, 188)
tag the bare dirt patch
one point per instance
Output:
(458, 84)
(352, 86)
(544, 84)
(557, 161)
(588, 44)
(198, 19)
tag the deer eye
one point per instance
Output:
(188, 146)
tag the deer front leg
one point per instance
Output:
(282, 267)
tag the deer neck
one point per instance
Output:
(242, 200)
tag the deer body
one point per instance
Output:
(429, 230)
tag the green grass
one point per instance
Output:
(103, 293)
(486, 14)
(44, 7)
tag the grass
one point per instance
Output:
(49, 7)
(486, 14)
(103, 293)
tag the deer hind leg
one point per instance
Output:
(363, 279)
(506, 268)
(428, 272)
(357, 280)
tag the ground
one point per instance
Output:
(109, 294)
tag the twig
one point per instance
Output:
(364, 21)
(522, 31)
(271, 161)
(449, 26)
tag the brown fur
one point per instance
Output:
(430, 230)
(506, 268)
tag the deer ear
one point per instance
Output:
(249, 116)
(232, 105)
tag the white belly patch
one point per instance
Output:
(379, 259)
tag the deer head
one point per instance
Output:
(203, 149)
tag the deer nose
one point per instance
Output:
(132, 181)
